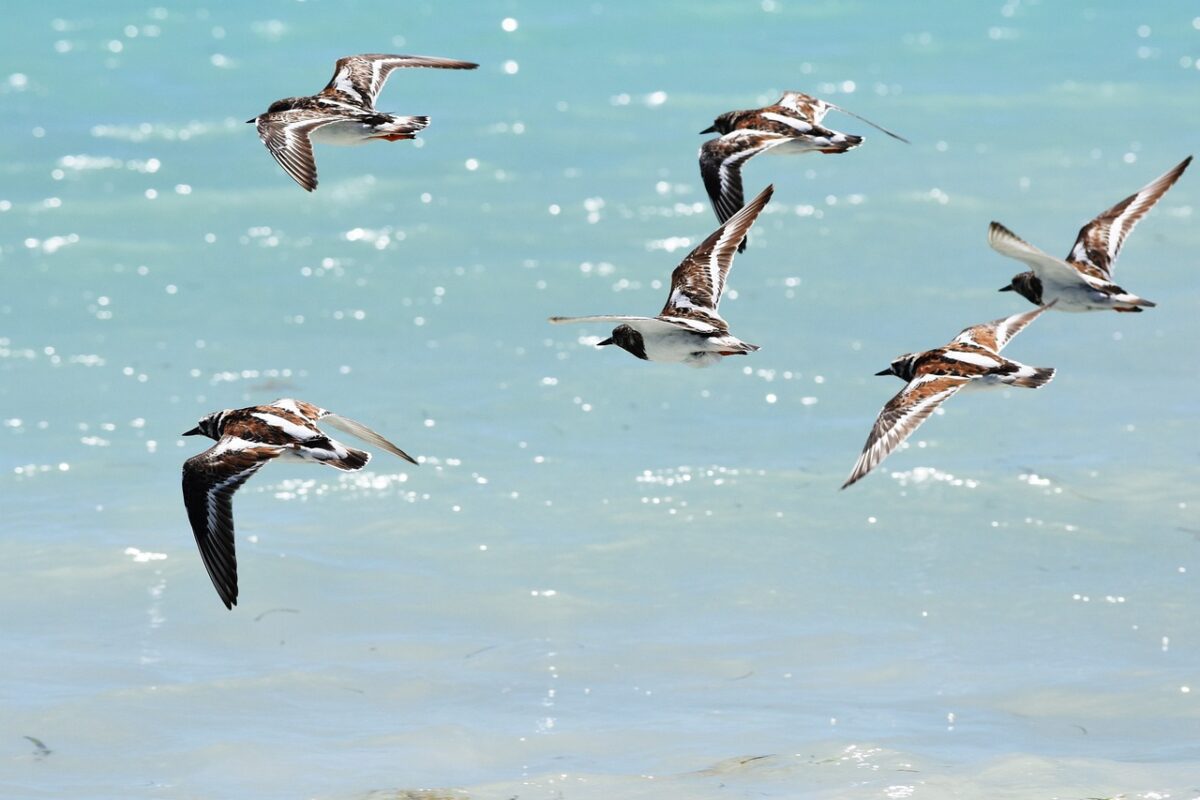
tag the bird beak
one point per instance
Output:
(193, 432)
(709, 129)
(251, 120)
(605, 343)
(1008, 288)
(887, 371)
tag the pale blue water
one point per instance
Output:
(608, 579)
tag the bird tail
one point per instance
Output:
(841, 142)
(1132, 303)
(353, 460)
(403, 125)
(1032, 377)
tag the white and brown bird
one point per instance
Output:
(790, 125)
(689, 330)
(247, 438)
(343, 113)
(1083, 281)
(972, 359)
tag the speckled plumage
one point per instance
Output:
(342, 113)
(790, 125)
(1083, 281)
(689, 328)
(247, 438)
(933, 376)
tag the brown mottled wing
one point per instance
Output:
(805, 106)
(699, 281)
(999, 332)
(721, 167)
(209, 481)
(358, 80)
(902, 415)
(1100, 241)
(285, 133)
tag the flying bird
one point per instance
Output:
(689, 330)
(1083, 281)
(247, 438)
(972, 359)
(790, 125)
(343, 113)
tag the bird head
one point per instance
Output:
(209, 425)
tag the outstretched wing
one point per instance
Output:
(347, 425)
(286, 135)
(1049, 269)
(814, 109)
(312, 413)
(209, 481)
(699, 281)
(999, 332)
(359, 79)
(643, 324)
(902, 415)
(721, 163)
(1100, 241)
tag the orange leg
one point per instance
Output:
(395, 137)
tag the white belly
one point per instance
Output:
(1078, 297)
(682, 347)
(344, 133)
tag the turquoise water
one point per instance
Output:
(607, 578)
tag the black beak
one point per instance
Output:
(193, 432)
(605, 343)
(251, 120)
(1008, 288)
(887, 371)
(709, 129)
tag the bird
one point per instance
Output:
(1083, 281)
(971, 359)
(247, 438)
(790, 125)
(689, 329)
(343, 113)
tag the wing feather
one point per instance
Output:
(996, 334)
(286, 135)
(1099, 242)
(699, 281)
(1049, 269)
(209, 482)
(902, 415)
(359, 79)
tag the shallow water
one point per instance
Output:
(607, 578)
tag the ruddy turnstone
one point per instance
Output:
(791, 125)
(689, 330)
(343, 113)
(971, 359)
(1083, 282)
(247, 438)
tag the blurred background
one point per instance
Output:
(607, 578)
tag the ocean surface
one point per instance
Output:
(607, 578)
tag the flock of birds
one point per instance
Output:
(688, 330)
